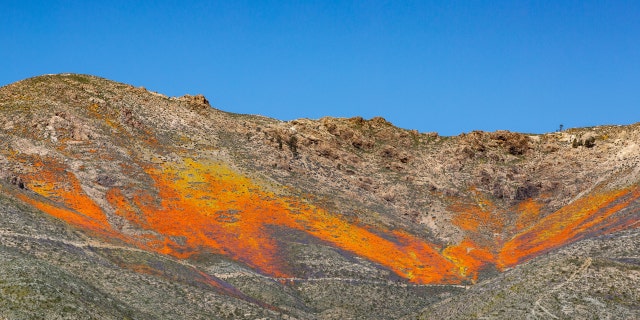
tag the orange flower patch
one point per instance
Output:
(565, 225)
(469, 257)
(529, 213)
(51, 180)
(216, 209)
(205, 207)
(481, 216)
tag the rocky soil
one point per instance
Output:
(331, 218)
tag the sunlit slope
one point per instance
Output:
(596, 278)
(196, 207)
(507, 237)
(591, 215)
(328, 218)
(208, 208)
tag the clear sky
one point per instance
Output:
(445, 66)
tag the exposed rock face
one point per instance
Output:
(198, 101)
(218, 214)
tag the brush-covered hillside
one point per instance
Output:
(121, 203)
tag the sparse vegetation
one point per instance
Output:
(292, 143)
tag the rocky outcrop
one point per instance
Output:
(197, 101)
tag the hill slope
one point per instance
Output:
(190, 211)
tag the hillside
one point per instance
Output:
(118, 202)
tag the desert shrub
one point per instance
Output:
(576, 143)
(292, 143)
(590, 141)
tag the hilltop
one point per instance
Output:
(120, 202)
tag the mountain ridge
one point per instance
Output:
(273, 202)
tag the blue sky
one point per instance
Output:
(445, 66)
